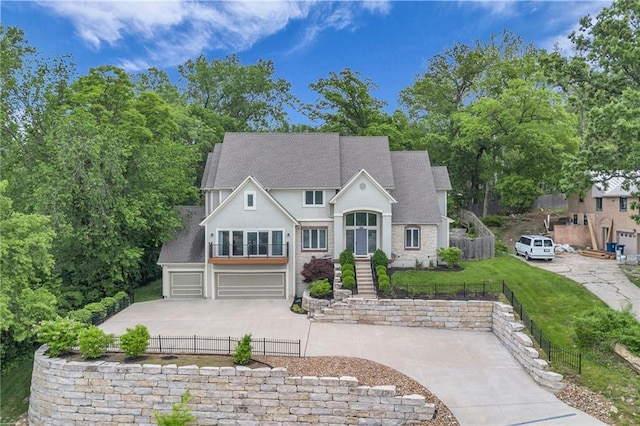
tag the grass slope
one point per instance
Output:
(552, 301)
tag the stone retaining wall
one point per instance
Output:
(448, 314)
(107, 393)
(476, 315)
(510, 332)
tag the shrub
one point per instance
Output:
(602, 328)
(493, 220)
(501, 247)
(81, 315)
(380, 258)
(135, 341)
(380, 269)
(242, 355)
(348, 282)
(348, 267)
(180, 414)
(60, 334)
(97, 309)
(320, 289)
(93, 342)
(347, 257)
(318, 269)
(450, 256)
(384, 284)
(348, 273)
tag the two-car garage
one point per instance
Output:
(266, 285)
(189, 284)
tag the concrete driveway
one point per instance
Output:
(471, 372)
(602, 277)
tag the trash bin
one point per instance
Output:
(620, 249)
(611, 247)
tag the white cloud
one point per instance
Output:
(566, 16)
(175, 30)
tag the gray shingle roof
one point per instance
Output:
(369, 153)
(415, 190)
(441, 178)
(279, 160)
(209, 175)
(188, 246)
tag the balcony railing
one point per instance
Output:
(257, 250)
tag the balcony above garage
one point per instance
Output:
(249, 254)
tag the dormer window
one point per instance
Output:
(313, 198)
(250, 200)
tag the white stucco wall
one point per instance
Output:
(363, 195)
(428, 246)
(304, 256)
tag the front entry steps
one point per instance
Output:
(365, 279)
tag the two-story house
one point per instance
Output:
(601, 215)
(275, 200)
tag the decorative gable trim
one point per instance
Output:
(239, 192)
(352, 181)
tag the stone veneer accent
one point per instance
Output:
(474, 315)
(107, 393)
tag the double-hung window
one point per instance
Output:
(599, 204)
(313, 198)
(412, 238)
(623, 204)
(314, 239)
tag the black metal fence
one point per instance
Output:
(463, 290)
(215, 345)
(112, 309)
(554, 352)
(483, 290)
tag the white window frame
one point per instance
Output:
(314, 204)
(415, 238)
(319, 241)
(247, 195)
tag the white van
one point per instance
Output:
(535, 247)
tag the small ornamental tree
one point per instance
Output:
(317, 269)
(93, 342)
(60, 334)
(242, 355)
(135, 341)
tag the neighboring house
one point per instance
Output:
(604, 215)
(275, 200)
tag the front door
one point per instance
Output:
(361, 242)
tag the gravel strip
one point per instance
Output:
(588, 401)
(368, 373)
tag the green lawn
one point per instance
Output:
(552, 301)
(151, 291)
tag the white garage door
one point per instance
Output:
(186, 284)
(251, 286)
(630, 241)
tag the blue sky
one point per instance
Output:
(389, 42)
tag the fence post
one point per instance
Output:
(264, 346)
(195, 344)
(229, 347)
(579, 363)
(160, 343)
(299, 349)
